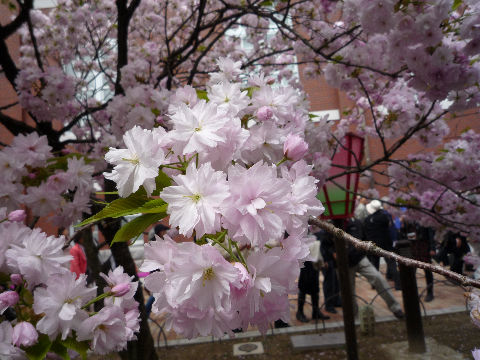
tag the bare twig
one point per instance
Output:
(371, 248)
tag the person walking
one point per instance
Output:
(358, 263)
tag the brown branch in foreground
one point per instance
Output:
(371, 248)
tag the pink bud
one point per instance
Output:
(16, 279)
(7, 299)
(294, 147)
(264, 113)
(32, 176)
(121, 289)
(24, 334)
(17, 215)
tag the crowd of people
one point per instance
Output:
(373, 222)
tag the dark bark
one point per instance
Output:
(14, 126)
(8, 65)
(347, 296)
(93, 263)
(413, 316)
(144, 346)
(10, 28)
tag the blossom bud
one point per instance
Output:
(17, 215)
(16, 279)
(294, 147)
(264, 113)
(121, 289)
(32, 175)
(7, 299)
(24, 334)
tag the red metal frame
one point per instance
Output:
(349, 147)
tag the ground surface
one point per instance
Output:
(453, 330)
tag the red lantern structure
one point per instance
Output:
(338, 195)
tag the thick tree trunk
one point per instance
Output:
(93, 263)
(144, 346)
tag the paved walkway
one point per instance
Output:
(448, 298)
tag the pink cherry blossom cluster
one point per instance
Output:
(438, 182)
(431, 45)
(201, 293)
(51, 300)
(141, 105)
(49, 94)
(33, 177)
(240, 184)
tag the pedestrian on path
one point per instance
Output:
(358, 263)
(308, 283)
(331, 288)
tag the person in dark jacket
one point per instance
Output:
(331, 288)
(422, 245)
(308, 283)
(358, 263)
(457, 246)
(377, 227)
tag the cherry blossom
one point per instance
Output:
(195, 202)
(138, 164)
(61, 303)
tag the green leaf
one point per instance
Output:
(312, 116)
(337, 58)
(154, 206)
(119, 207)
(27, 296)
(61, 162)
(137, 226)
(202, 94)
(60, 349)
(440, 158)
(161, 182)
(251, 90)
(456, 4)
(40, 349)
(81, 347)
(459, 150)
(203, 239)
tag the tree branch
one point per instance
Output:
(371, 248)
(14, 126)
(9, 29)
